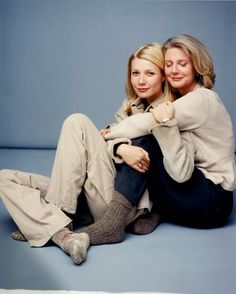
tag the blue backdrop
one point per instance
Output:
(63, 56)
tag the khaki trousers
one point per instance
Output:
(36, 203)
(82, 162)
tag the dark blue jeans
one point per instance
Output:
(197, 202)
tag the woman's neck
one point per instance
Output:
(152, 99)
(187, 89)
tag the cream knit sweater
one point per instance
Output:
(201, 135)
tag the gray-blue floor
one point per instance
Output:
(171, 259)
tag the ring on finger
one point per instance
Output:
(140, 165)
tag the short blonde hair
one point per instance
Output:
(199, 55)
(151, 52)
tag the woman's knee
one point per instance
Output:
(6, 174)
(77, 120)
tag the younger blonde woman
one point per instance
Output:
(41, 206)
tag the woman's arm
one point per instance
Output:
(141, 124)
(132, 127)
(190, 111)
(177, 150)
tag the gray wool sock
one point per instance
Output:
(111, 227)
(145, 224)
(18, 236)
(74, 244)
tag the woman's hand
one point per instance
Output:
(135, 157)
(103, 132)
(163, 112)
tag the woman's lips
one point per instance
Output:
(142, 89)
(176, 79)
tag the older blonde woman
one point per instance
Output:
(190, 144)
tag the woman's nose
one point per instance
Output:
(175, 68)
(142, 79)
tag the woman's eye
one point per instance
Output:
(184, 62)
(168, 64)
(150, 74)
(134, 73)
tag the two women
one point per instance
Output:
(180, 152)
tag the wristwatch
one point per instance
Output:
(165, 120)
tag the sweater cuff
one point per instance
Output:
(112, 146)
(168, 124)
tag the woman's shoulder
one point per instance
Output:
(197, 103)
(203, 93)
(206, 92)
(200, 96)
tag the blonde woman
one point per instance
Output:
(41, 206)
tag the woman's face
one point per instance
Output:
(179, 70)
(146, 79)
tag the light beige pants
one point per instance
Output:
(82, 161)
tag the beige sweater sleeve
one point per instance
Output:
(111, 146)
(133, 126)
(191, 112)
(177, 150)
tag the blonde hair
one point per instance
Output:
(199, 55)
(151, 52)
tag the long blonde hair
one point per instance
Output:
(151, 52)
(199, 55)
